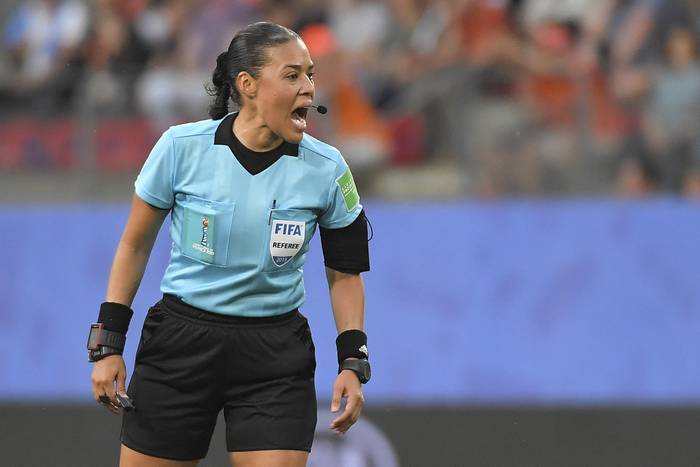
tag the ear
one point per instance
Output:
(246, 84)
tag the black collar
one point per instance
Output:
(254, 162)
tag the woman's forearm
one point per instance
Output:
(347, 299)
(127, 271)
(133, 251)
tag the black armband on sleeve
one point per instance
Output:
(346, 249)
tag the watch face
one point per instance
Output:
(366, 370)
(369, 372)
(93, 336)
(360, 367)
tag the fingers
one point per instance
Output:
(109, 405)
(104, 374)
(342, 423)
(337, 394)
(121, 381)
(349, 387)
(350, 415)
(103, 393)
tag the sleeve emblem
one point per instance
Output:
(348, 190)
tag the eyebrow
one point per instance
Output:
(298, 67)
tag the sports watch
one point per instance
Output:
(360, 366)
(103, 343)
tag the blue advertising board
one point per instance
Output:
(539, 302)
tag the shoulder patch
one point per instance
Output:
(348, 189)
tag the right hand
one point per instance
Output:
(105, 373)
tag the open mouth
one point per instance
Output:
(299, 117)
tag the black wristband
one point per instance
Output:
(115, 316)
(351, 343)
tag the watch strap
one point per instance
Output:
(100, 336)
(102, 352)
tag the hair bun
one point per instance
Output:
(220, 77)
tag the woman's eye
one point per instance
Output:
(292, 76)
(311, 76)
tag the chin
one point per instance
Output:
(294, 137)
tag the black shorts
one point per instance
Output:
(191, 364)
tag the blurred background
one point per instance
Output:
(531, 169)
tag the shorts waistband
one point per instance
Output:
(177, 306)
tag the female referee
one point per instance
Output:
(246, 191)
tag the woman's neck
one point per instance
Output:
(253, 133)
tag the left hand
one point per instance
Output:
(347, 385)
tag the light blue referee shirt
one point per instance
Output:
(239, 240)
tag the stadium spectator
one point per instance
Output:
(637, 176)
(624, 37)
(428, 74)
(361, 28)
(43, 38)
(674, 107)
(172, 87)
(114, 58)
(691, 179)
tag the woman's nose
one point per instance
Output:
(307, 86)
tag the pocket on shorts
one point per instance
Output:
(206, 229)
(302, 332)
(287, 239)
(152, 327)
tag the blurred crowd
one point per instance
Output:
(519, 97)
